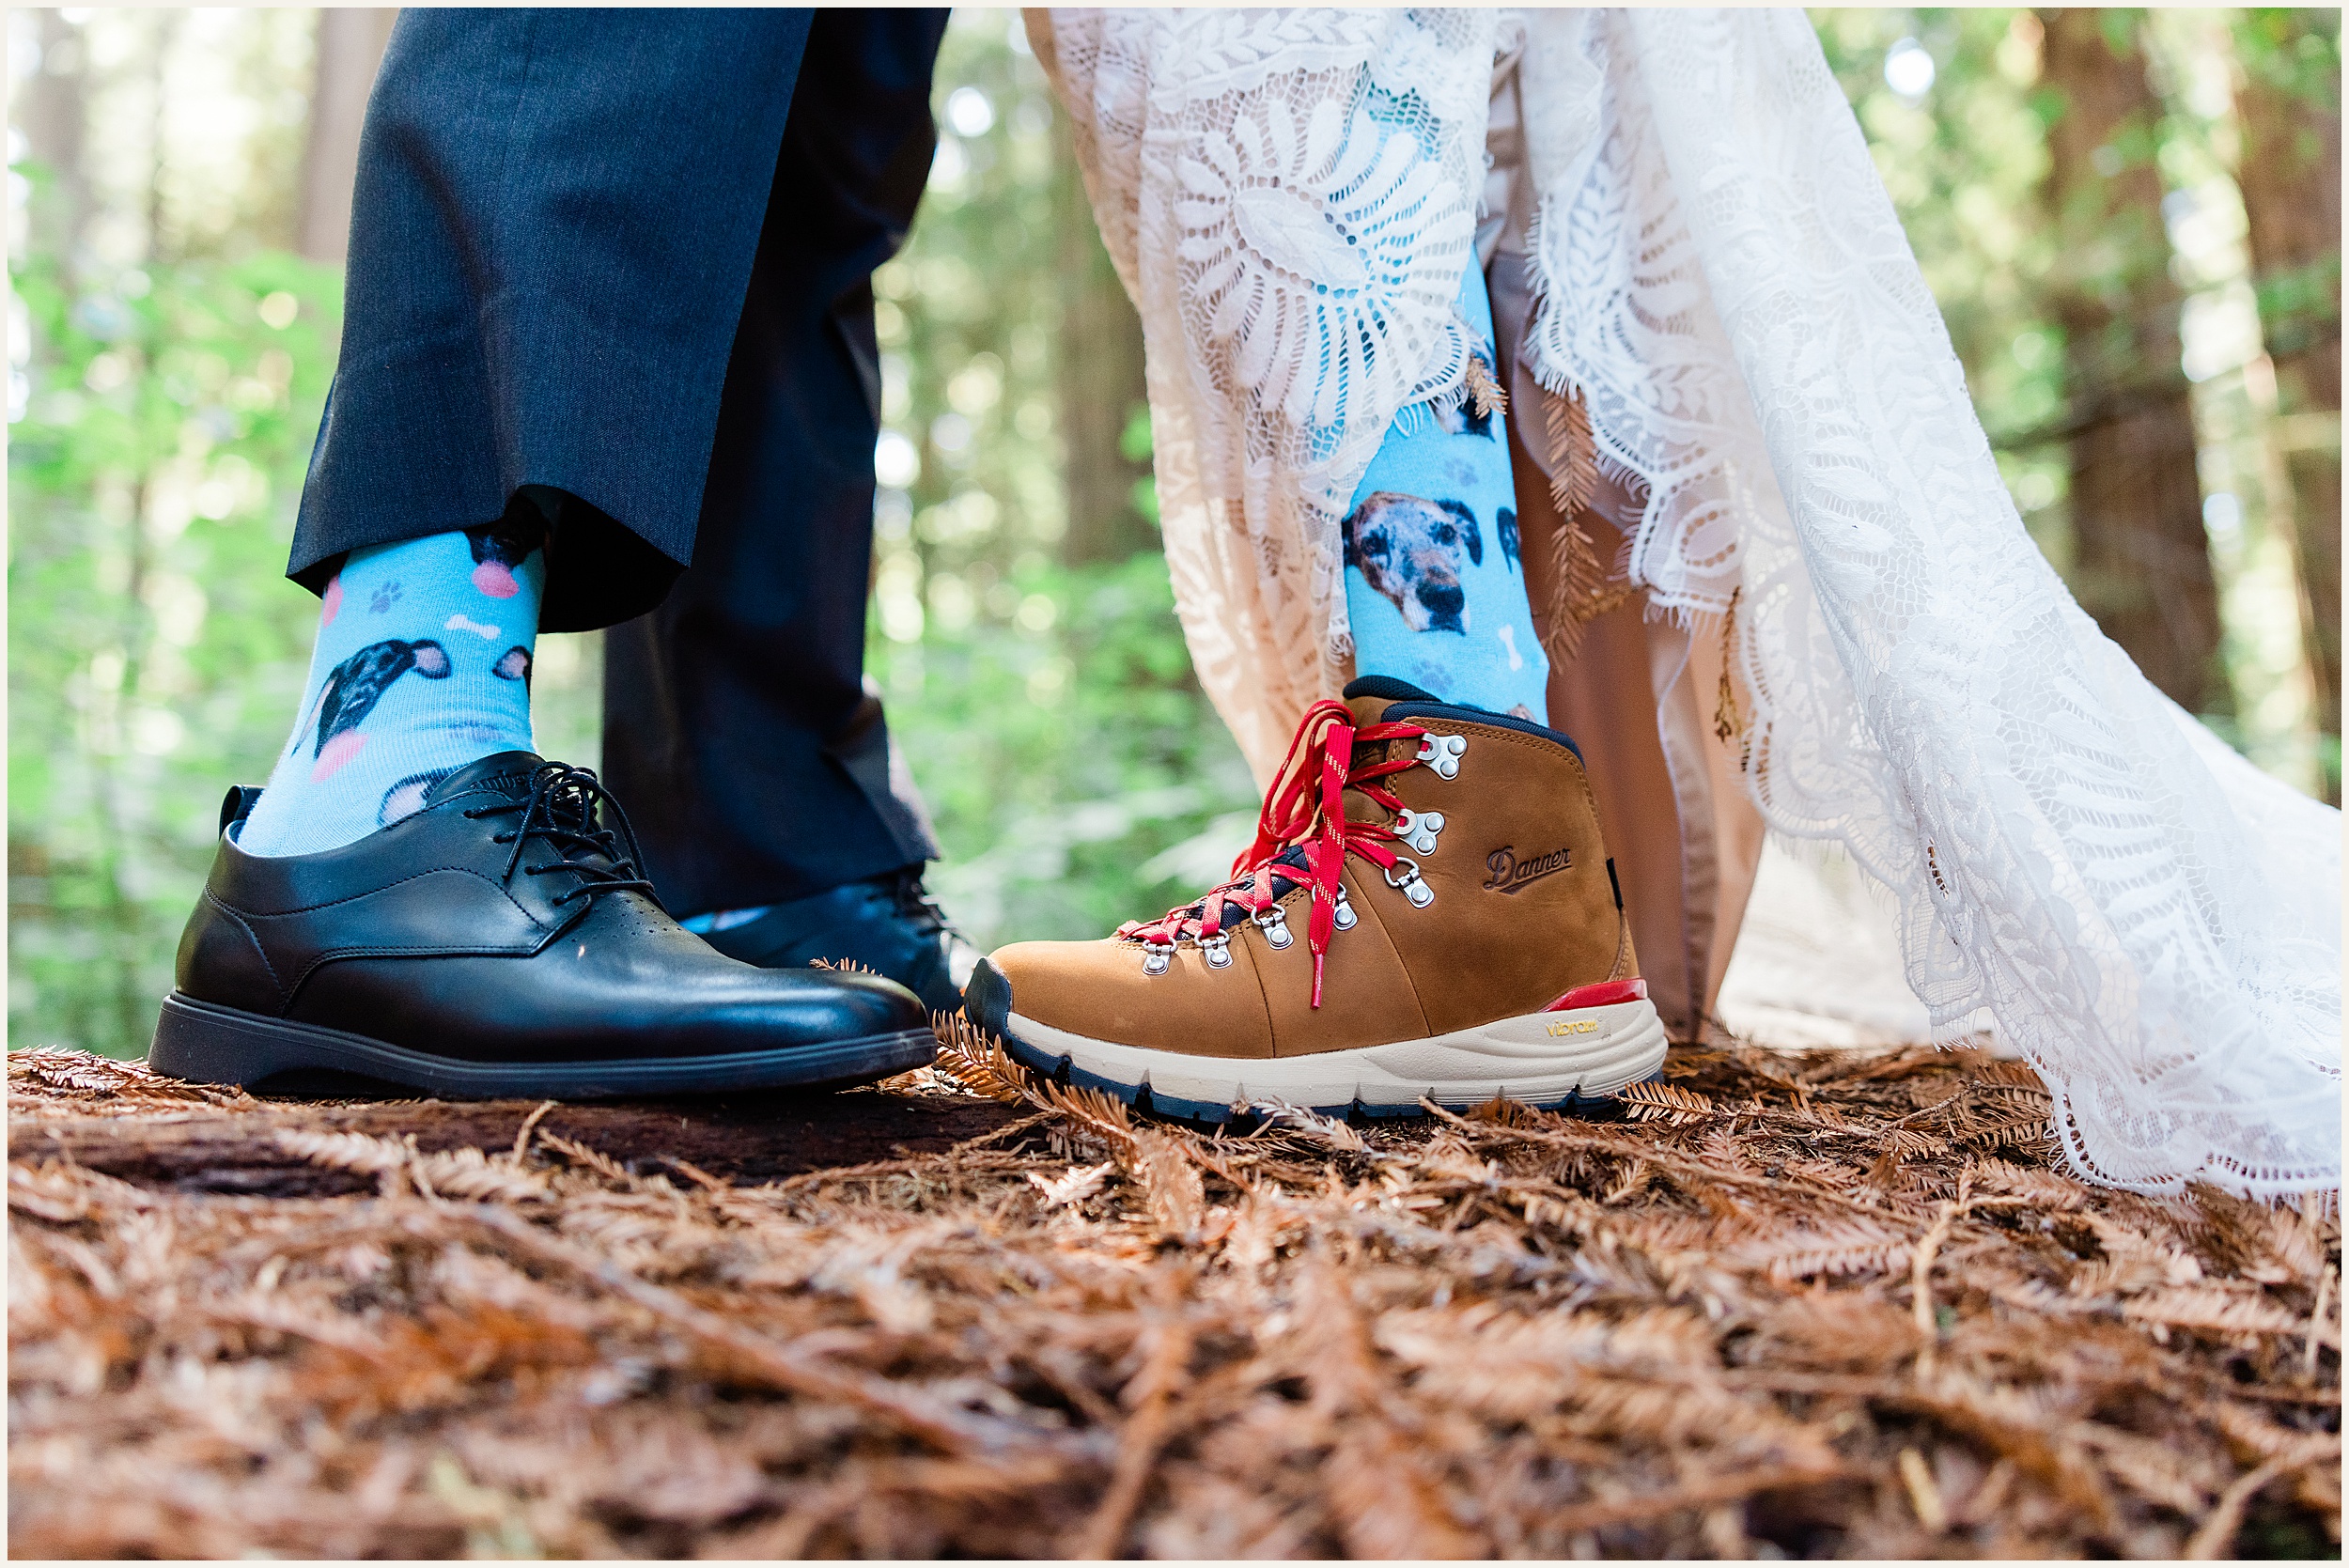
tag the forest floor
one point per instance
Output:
(1841, 1304)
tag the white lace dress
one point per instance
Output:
(1720, 287)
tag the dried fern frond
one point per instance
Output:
(1080, 1183)
(1767, 1310)
(978, 1062)
(1667, 1103)
(1484, 393)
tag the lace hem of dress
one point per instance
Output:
(1725, 289)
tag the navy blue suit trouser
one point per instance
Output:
(618, 262)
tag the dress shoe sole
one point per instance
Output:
(1578, 1061)
(202, 1043)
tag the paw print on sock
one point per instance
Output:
(513, 664)
(331, 601)
(355, 685)
(384, 599)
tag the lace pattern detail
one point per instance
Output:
(1624, 319)
(2065, 853)
(2148, 919)
(1290, 199)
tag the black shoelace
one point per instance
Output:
(561, 810)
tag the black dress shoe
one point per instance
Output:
(500, 943)
(888, 924)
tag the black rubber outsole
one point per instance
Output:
(203, 1043)
(1063, 1071)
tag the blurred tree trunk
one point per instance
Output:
(1100, 379)
(349, 47)
(2291, 180)
(50, 108)
(2142, 560)
(50, 111)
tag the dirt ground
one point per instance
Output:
(1835, 1305)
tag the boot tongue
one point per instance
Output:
(506, 774)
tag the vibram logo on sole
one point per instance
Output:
(1578, 1026)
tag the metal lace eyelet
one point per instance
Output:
(1218, 950)
(1159, 957)
(1346, 916)
(1419, 828)
(1443, 753)
(1274, 924)
(1410, 884)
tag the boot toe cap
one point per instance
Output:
(1060, 984)
(1100, 990)
(986, 997)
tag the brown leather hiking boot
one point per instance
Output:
(1428, 909)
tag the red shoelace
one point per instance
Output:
(1304, 810)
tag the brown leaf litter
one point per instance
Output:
(1839, 1304)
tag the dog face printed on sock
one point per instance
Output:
(1505, 524)
(513, 664)
(357, 684)
(1408, 551)
(405, 797)
(497, 549)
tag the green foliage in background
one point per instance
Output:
(1077, 774)
(155, 651)
(1964, 163)
(2296, 53)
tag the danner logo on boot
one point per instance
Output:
(1511, 875)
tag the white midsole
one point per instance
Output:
(1539, 1056)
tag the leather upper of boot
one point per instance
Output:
(506, 921)
(1521, 909)
(888, 924)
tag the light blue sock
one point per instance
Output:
(1433, 587)
(421, 665)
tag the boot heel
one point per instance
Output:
(203, 1044)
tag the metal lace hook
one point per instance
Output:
(1410, 884)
